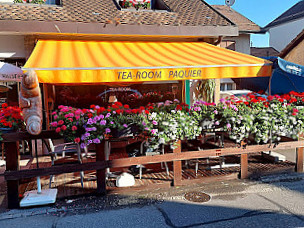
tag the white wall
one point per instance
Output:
(242, 42)
(281, 35)
(11, 46)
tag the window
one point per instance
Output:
(229, 86)
(53, 2)
(228, 44)
(135, 4)
(42, 2)
(141, 5)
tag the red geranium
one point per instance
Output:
(11, 117)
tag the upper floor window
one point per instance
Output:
(44, 2)
(228, 44)
(135, 4)
(142, 5)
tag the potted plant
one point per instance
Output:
(10, 118)
(69, 122)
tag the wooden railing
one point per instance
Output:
(13, 174)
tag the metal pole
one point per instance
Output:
(37, 165)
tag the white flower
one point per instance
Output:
(153, 115)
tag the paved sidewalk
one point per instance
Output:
(234, 204)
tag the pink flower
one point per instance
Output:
(74, 128)
(96, 141)
(108, 130)
(64, 109)
(58, 129)
(66, 115)
(54, 113)
(63, 127)
(77, 117)
(77, 140)
(55, 117)
(70, 119)
(60, 122)
(77, 112)
(60, 106)
(71, 114)
(154, 131)
(54, 124)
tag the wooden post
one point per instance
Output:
(101, 173)
(177, 165)
(12, 164)
(299, 159)
(46, 105)
(217, 91)
(244, 166)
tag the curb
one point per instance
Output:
(288, 177)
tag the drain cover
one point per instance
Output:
(198, 197)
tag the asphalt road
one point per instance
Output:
(234, 204)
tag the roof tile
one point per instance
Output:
(295, 12)
(243, 23)
(184, 12)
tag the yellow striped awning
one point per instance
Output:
(75, 62)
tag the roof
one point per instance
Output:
(263, 51)
(295, 12)
(292, 44)
(243, 23)
(184, 13)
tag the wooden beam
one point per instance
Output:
(299, 159)
(19, 136)
(12, 164)
(244, 166)
(177, 165)
(101, 172)
(101, 164)
(125, 162)
(54, 170)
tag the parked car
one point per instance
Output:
(237, 93)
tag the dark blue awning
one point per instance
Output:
(286, 77)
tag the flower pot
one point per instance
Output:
(135, 129)
(7, 130)
(121, 133)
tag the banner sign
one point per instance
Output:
(11, 77)
(145, 75)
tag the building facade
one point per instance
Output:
(286, 27)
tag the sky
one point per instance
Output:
(260, 12)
